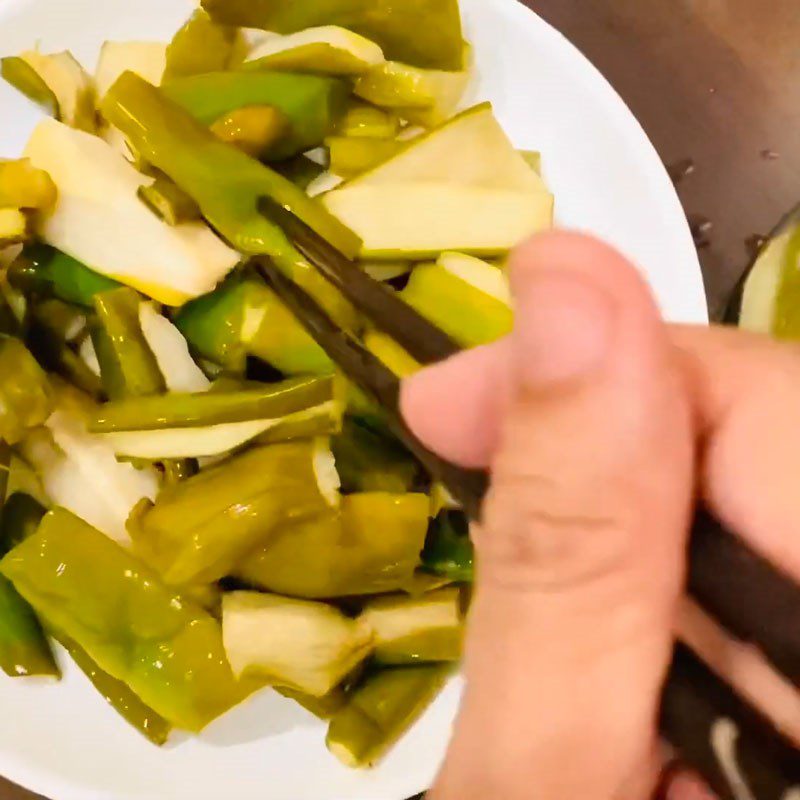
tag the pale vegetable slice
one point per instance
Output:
(146, 59)
(769, 301)
(310, 647)
(326, 182)
(89, 356)
(63, 77)
(386, 270)
(471, 149)
(422, 96)
(422, 219)
(214, 440)
(484, 277)
(171, 350)
(329, 50)
(80, 471)
(99, 220)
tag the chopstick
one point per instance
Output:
(696, 704)
(756, 601)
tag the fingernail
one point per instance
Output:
(564, 328)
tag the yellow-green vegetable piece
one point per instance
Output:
(168, 651)
(13, 227)
(57, 82)
(364, 120)
(422, 629)
(146, 59)
(26, 399)
(350, 156)
(327, 50)
(381, 710)
(24, 186)
(426, 33)
(253, 129)
(199, 529)
(226, 184)
(169, 202)
(309, 647)
(201, 45)
(321, 707)
(771, 291)
(468, 314)
(424, 97)
(244, 317)
(370, 545)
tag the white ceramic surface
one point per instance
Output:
(61, 739)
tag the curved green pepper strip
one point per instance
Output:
(426, 33)
(167, 651)
(244, 317)
(225, 183)
(381, 710)
(24, 649)
(269, 401)
(312, 105)
(370, 546)
(198, 530)
(448, 550)
(26, 399)
(201, 45)
(43, 270)
(127, 363)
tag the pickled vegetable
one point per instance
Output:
(381, 711)
(364, 120)
(24, 186)
(448, 550)
(45, 271)
(309, 647)
(353, 155)
(24, 649)
(13, 227)
(255, 130)
(321, 707)
(169, 652)
(413, 630)
(146, 59)
(200, 46)
(328, 50)
(198, 530)
(371, 545)
(426, 33)
(26, 399)
(169, 202)
(311, 104)
(57, 82)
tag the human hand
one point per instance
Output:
(591, 417)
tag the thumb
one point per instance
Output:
(580, 549)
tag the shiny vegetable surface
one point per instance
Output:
(132, 626)
(201, 45)
(26, 399)
(448, 549)
(24, 186)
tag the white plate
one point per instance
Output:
(62, 740)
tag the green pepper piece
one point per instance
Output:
(24, 186)
(24, 649)
(244, 317)
(411, 630)
(311, 104)
(127, 363)
(380, 711)
(268, 401)
(369, 462)
(119, 696)
(198, 530)
(255, 130)
(364, 120)
(448, 550)
(168, 651)
(351, 156)
(168, 202)
(41, 269)
(370, 545)
(23, 77)
(26, 399)
(422, 32)
(201, 45)
(469, 315)
(321, 707)
(227, 185)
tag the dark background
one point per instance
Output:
(716, 84)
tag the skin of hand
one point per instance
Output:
(599, 423)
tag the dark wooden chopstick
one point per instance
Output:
(695, 700)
